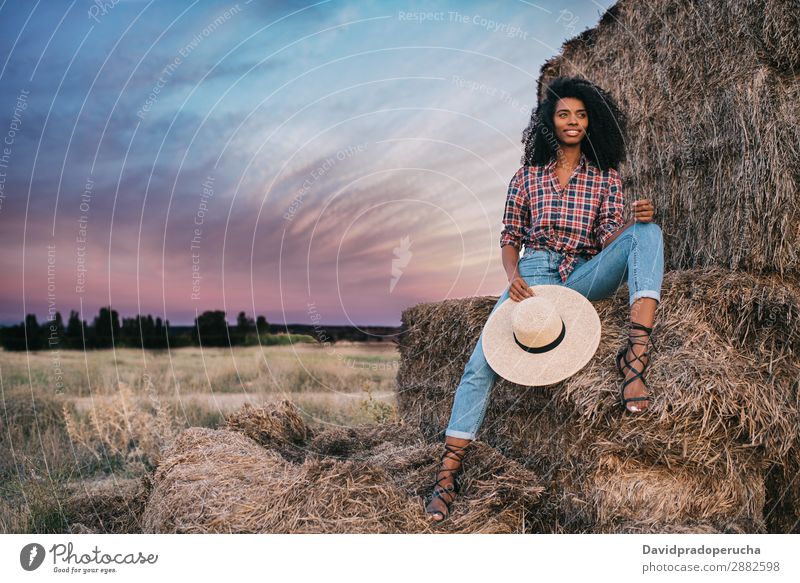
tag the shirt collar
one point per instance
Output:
(583, 162)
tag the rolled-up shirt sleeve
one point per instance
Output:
(609, 219)
(517, 214)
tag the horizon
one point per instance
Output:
(333, 160)
(89, 320)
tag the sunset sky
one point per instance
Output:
(342, 159)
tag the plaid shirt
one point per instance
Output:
(577, 220)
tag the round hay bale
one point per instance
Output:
(724, 374)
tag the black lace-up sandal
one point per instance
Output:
(446, 493)
(635, 327)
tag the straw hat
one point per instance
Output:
(543, 339)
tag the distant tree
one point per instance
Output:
(262, 326)
(244, 324)
(106, 327)
(14, 337)
(211, 329)
(33, 333)
(129, 333)
(159, 335)
(74, 333)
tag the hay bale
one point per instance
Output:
(711, 85)
(724, 386)
(627, 491)
(224, 481)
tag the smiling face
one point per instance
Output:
(570, 121)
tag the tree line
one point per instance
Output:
(210, 329)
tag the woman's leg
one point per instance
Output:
(472, 395)
(466, 416)
(638, 254)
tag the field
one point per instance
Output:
(107, 420)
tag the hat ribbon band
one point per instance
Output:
(546, 347)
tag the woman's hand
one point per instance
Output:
(642, 211)
(519, 289)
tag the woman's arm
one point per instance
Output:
(609, 217)
(516, 221)
(611, 213)
(518, 288)
(510, 259)
(516, 215)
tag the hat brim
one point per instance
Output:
(580, 341)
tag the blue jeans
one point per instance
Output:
(636, 254)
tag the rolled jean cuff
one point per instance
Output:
(646, 293)
(459, 434)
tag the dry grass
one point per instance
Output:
(107, 506)
(105, 431)
(124, 426)
(626, 491)
(343, 368)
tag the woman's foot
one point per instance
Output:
(635, 387)
(445, 487)
(632, 365)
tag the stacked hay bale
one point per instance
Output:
(724, 411)
(269, 472)
(711, 89)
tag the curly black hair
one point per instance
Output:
(604, 142)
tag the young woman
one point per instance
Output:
(564, 205)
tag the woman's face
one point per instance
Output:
(570, 121)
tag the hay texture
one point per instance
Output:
(356, 480)
(710, 89)
(724, 409)
(110, 505)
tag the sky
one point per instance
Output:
(316, 163)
